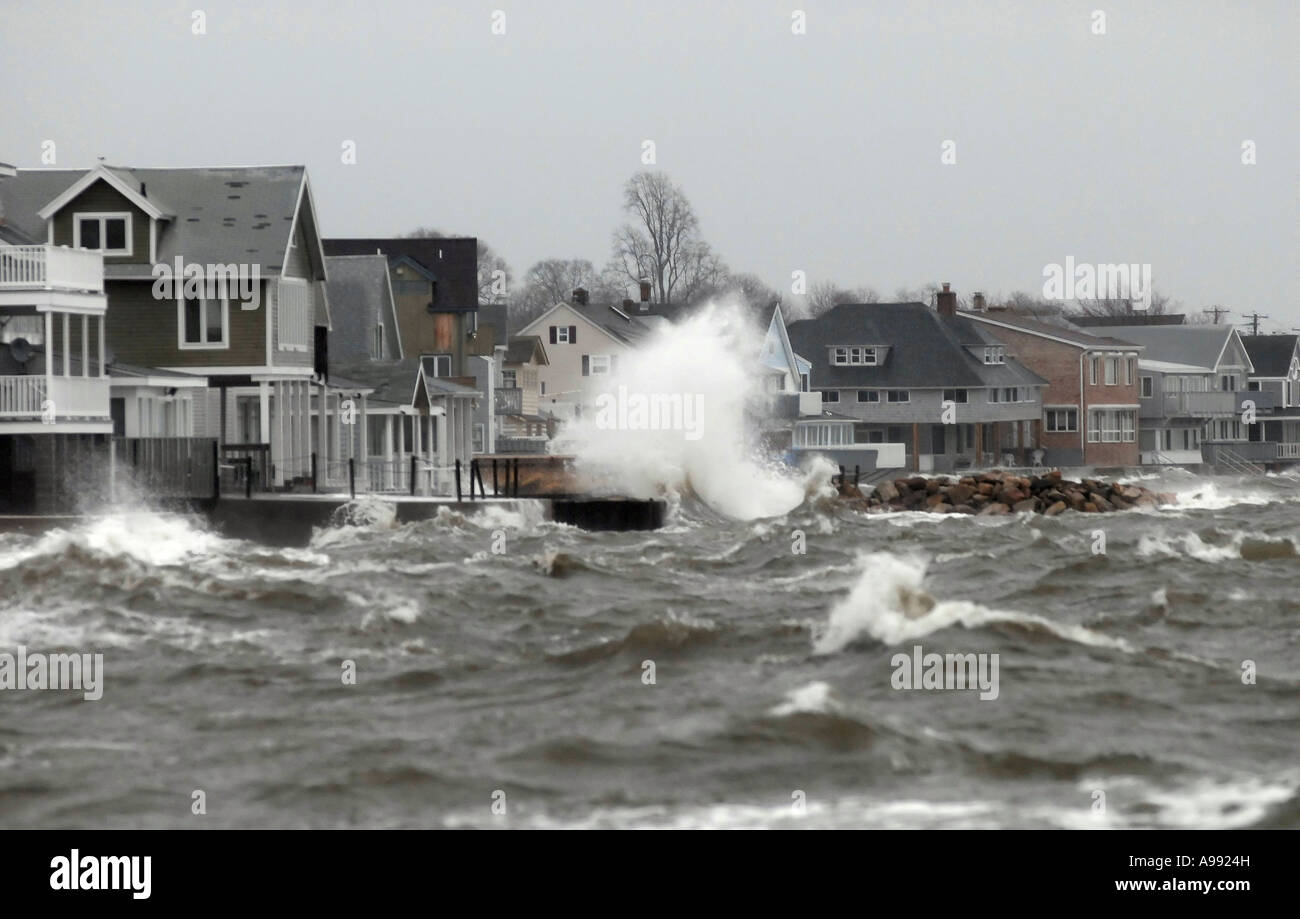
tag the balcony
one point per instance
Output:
(509, 400)
(1200, 404)
(31, 396)
(50, 268)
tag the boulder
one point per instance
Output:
(1057, 508)
(963, 509)
(994, 509)
(934, 501)
(886, 491)
(1029, 505)
(959, 493)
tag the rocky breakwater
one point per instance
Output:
(997, 492)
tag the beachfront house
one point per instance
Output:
(216, 315)
(932, 390)
(1275, 382)
(583, 342)
(1090, 402)
(1192, 383)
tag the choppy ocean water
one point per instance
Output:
(511, 688)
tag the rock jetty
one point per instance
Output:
(998, 492)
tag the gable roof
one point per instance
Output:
(926, 350)
(399, 382)
(1200, 345)
(1057, 331)
(607, 317)
(523, 348)
(787, 361)
(1271, 354)
(360, 297)
(207, 215)
(452, 260)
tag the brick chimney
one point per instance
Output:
(977, 301)
(645, 290)
(580, 296)
(946, 300)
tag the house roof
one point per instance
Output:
(397, 382)
(210, 215)
(1200, 345)
(1271, 354)
(624, 326)
(925, 349)
(452, 260)
(360, 297)
(522, 349)
(1061, 330)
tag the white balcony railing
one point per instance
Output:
(80, 397)
(50, 268)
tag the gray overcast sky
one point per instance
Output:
(818, 152)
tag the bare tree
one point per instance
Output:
(662, 242)
(553, 281)
(824, 295)
(494, 274)
(1160, 304)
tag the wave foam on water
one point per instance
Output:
(889, 603)
(151, 538)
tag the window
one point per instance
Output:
(898, 395)
(1228, 382)
(377, 345)
(560, 334)
(1093, 366)
(994, 354)
(441, 365)
(107, 233)
(294, 313)
(508, 379)
(859, 355)
(868, 395)
(995, 395)
(1148, 387)
(1129, 364)
(1111, 426)
(803, 382)
(955, 395)
(1112, 371)
(830, 395)
(203, 323)
(1253, 386)
(823, 435)
(1010, 394)
(543, 385)
(599, 364)
(1061, 420)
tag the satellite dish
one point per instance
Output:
(21, 350)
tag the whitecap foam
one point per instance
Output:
(889, 603)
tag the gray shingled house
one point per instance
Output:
(934, 391)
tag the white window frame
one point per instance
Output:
(871, 395)
(1051, 414)
(1147, 386)
(1112, 371)
(951, 395)
(561, 334)
(103, 216)
(599, 360)
(436, 359)
(891, 393)
(203, 344)
(994, 354)
(830, 395)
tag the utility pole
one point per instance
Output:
(1217, 311)
(1254, 319)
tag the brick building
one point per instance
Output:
(1090, 403)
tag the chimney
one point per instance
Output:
(978, 302)
(580, 296)
(947, 301)
(645, 290)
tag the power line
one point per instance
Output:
(1217, 311)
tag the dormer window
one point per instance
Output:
(106, 233)
(855, 356)
(994, 354)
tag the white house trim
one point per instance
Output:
(99, 172)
